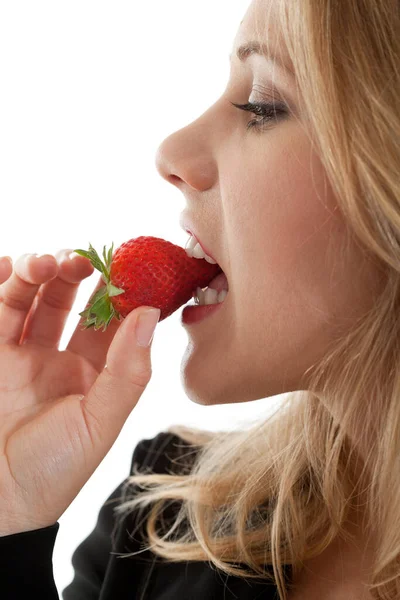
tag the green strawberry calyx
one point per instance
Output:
(100, 310)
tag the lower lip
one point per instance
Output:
(194, 314)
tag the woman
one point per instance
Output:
(300, 207)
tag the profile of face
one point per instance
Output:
(262, 205)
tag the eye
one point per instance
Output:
(268, 112)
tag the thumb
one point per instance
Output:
(123, 380)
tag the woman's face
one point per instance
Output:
(261, 203)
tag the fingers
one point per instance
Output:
(90, 344)
(35, 301)
(5, 268)
(120, 385)
(46, 321)
(18, 292)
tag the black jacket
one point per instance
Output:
(26, 558)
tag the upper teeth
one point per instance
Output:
(194, 250)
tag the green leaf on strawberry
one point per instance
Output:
(100, 311)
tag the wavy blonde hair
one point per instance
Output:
(299, 462)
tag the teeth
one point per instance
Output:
(209, 296)
(194, 250)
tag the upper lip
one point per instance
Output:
(188, 227)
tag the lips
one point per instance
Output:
(221, 281)
(201, 244)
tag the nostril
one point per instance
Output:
(174, 179)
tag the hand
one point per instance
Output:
(60, 412)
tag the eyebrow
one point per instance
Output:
(250, 48)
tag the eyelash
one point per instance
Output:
(266, 110)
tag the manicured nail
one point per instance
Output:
(146, 325)
(27, 258)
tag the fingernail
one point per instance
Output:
(146, 325)
(27, 257)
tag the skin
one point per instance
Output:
(262, 204)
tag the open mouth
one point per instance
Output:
(214, 293)
(218, 288)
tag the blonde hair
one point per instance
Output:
(299, 462)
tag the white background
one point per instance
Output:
(89, 90)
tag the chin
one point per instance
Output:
(195, 383)
(208, 383)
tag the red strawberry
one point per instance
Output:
(145, 271)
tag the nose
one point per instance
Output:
(186, 156)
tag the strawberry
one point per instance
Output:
(145, 271)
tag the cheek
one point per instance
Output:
(284, 226)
